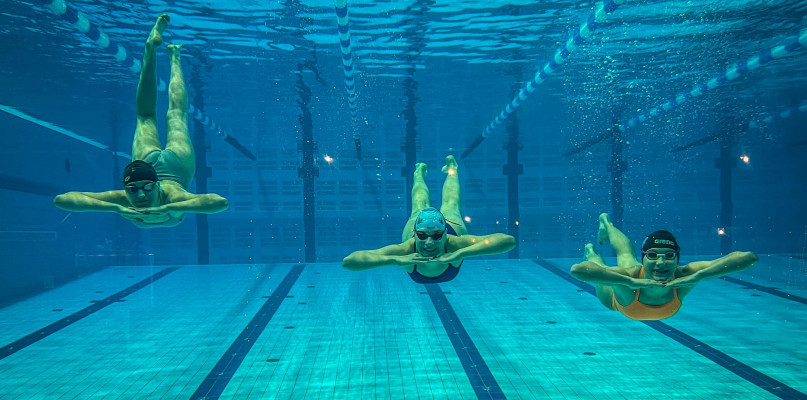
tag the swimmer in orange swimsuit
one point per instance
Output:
(654, 288)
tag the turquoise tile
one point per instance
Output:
(352, 335)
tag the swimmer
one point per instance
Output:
(434, 242)
(155, 185)
(654, 288)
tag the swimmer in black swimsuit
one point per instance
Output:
(156, 182)
(434, 243)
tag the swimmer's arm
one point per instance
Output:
(110, 201)
(209, 203)
(589, 271)
(472, 245)
(728, 264)
(395, 254)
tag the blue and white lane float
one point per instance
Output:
(343, 24)
(735, 71)
(78, 20)
(580, 35)
(780, 115)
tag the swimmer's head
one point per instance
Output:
(139, 170)
(660, 256)
(430, 217)
(140, 184)
(430, 232)
(660, 240)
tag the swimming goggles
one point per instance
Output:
(435, 235)
(653, 255)
(146, 187)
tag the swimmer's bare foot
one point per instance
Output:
(589, 252)
(156, 36)
(421, 170)
(173, 50)
(451, 166)
(602, 232)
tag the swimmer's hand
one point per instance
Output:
(636, 283)
(129, 212)
(449, 258)
(684, 281)
(410, 259)
(155, 210)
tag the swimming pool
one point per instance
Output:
(518, 329)
(309, 121)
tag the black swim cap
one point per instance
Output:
(139, 170)
(660, 240)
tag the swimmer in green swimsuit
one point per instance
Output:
(156, 182)
(434, 242)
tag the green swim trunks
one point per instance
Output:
(169, 167)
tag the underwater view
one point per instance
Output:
(304, 199)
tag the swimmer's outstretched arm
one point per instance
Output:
(111, 201)
(702, 270)
(473, 246)
(396, 254)
(591, 272)
(209, 203)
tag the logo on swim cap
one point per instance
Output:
(430, 218)
(139, 170)
(660, 240)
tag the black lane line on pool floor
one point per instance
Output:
(218, 378)
(766, 289)
(32, 338)
(759, 379)
(481, 378)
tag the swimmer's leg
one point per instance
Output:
(420, 199)
(451, 196)
(625, 253)
(145, 138)
(176, 120)
(604, 293)
(590, 254)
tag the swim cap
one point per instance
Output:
(139, 170)
(430, 218)
(660, 240)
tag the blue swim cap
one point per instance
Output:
(430, 218)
